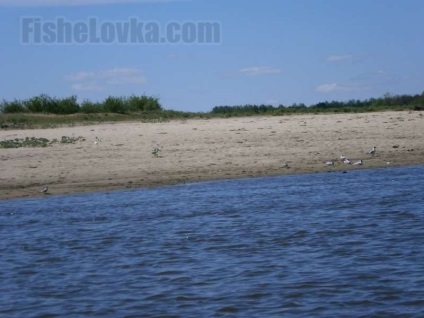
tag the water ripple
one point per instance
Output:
(321, 245)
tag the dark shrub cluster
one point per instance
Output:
(150, 108)
(387, 102)
(64, 106)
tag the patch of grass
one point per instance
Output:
(27, 142)
(71, 140)
(37, 142)
(44, 121)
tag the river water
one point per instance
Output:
(315, 245)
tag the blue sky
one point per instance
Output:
(271, 52)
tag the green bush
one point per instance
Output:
(15, 106)
(51, 105)
(88, 107)
(115, 105)
(66, 106)
(37, 104)
(142, 103)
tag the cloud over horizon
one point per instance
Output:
(336, 87)
(100, 80)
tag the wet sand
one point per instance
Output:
(206, 149)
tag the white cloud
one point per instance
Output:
(87, 87)
(99, 80)
(326, 88)
(336, 87)
(272, 101)
(122, 76)
(340, 58)
(48, 3)
(260, 70)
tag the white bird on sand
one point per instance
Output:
(346, 161)
(372, 151)
(342, 158)
(45, 190)
(358, 163)
(285, 165)
(329, 163)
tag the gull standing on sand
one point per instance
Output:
(358, 163)
(372, 151)
(346, 161)
(45, 190)
(329, 163)
(342, 158)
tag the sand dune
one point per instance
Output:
(198, 149)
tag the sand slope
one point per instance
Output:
(197, 149)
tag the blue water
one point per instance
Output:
(318, 245)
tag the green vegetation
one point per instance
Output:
(48, 112)
(69, 140)
(29, 120)
(65, 106)
(37, 142)
(388, 102)
(27, 142)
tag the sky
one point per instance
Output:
(263, 52)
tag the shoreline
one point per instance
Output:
(205, 149)
(32, 192)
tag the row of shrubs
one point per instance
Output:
(394, 102)
(151, 105)
(69, 105)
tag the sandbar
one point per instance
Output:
(206, 149)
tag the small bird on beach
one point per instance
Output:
(329, 163)
(156, 151)
(342, 158)
(45, 190)
(346, 161)
(372, 151)
(285, 165)
(358, 163)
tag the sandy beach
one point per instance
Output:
(206, 149)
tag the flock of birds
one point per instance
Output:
(348, 161)
(344, 159)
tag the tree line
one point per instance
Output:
(148, 104)
(70, 105)
(388, 101)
